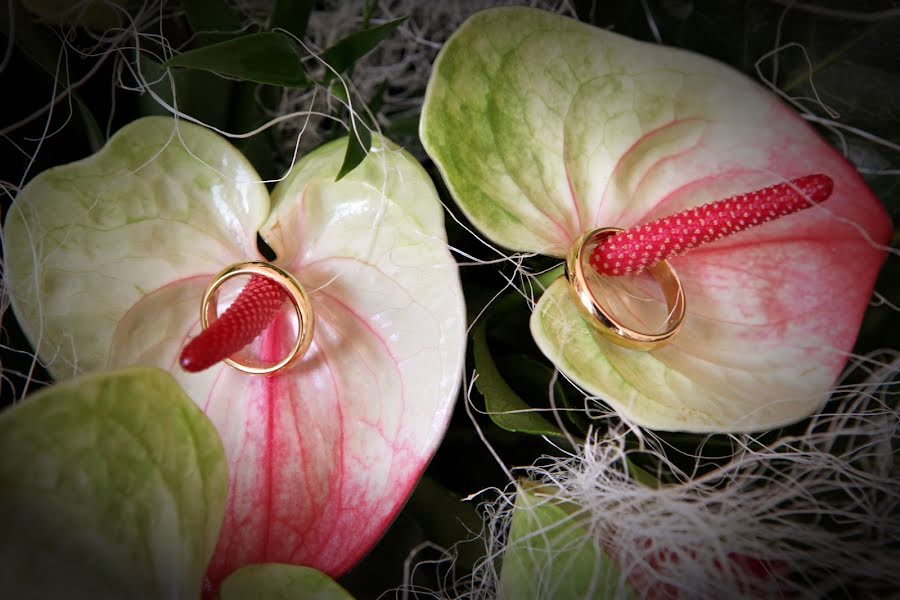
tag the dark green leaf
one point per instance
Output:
(36, 42)
(357, 148)
(261, 57)
(98, 15)
(382, 568)
(347, 51)
(246, 115)
(446, 520)
(504, 406)
(404, 127)
(291, 15)
(339, 91)
(92, 131)
(43, 49)
(531, 378)
(368, 9)
(193, 89)
(377, 99)
(643, 477)
(512, 302)
(211, 15)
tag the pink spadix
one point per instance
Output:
(638, 248)
(246, 318)
(629, 251)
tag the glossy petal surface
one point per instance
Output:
(86, 241)
(113, 487)
(545, 128)
(321, 457)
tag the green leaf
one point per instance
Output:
(267, 57)
(368, 10)
(92, 131)
(405, 126)
(551, 555)
(193, 89)
(531, 377)
(642, 476)
(291, 15)
(339, 91)
(357, 149)
(347, 51)
(545, 279)
(247, 114)
(114, 486)
(43, 48)
(377, 99)
(273, 581)
(504, 406)
(93, 14)
(447, 520)
(211, 15)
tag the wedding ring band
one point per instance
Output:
(601, 319)
(296, 294)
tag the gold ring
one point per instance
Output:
(292, 288)
(599, 317)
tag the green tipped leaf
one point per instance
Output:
(211, 15)
(377, 99)
(368, 10)
(93, 14)
(504, 406)
(550, 554)
(357, 149)
(274, 581)
(267, 57)
(643, 476)
(347, 51)
(114, 486)
(291, 15)
(94, 135)
(43, 48)
(447, 520)
(193, 89)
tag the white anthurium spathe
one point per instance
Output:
(107, 260)
(545, 128)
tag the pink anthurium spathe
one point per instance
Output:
(106, 262)
(545, 128)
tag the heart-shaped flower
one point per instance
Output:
(545, 128)
(106, 263)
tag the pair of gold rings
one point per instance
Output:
(600, 317)
(295, 293)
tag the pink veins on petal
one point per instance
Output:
(641, 247)
(318, 427)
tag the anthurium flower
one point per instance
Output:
(107, 260)
(545, 128)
